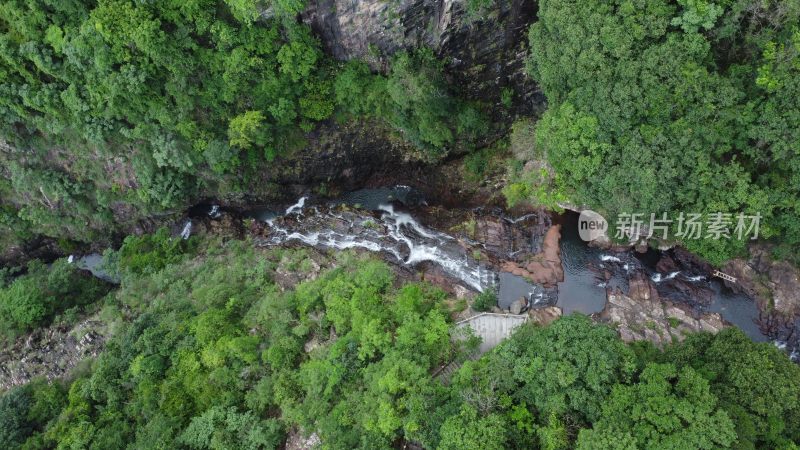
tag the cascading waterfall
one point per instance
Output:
(434, 246)
(588, 271)
(395, 232)
(297, 207)
(187, 230)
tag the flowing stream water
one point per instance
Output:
(389, 230)
(375, 220)
(584, 288)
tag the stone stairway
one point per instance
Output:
(491, 328)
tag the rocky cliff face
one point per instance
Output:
(485, 50)
(776, 284)
(485, 54)
(776, 287)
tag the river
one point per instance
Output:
(381, 221)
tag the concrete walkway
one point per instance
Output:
(493, 328)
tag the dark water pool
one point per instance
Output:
(584, 287)
(588, 271)
(513, 287)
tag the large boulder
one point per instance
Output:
(544, 268)
(546, 315)
(517, 306)
(660, 322)
(775, 284)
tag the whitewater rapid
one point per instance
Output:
(394, 232)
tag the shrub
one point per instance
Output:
(34, 298)
(150, 253)
(485, 301)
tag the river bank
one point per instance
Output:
(535, 261)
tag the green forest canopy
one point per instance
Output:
(210, 353)
(114, 110)
(670, 106)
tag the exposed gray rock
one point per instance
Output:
(518, 306)
(546, 315)
(659, 322)
(50, 352)
(641, 315)
(486, 52)
(297, 440)
(775, 284)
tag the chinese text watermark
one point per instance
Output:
(684, 226)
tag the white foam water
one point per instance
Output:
(609, 258)
(187, 230)
(658, 278)
(537, 299)
(396, 233)
(297, 207)
(520, 218)
(214, 213)
(794, 354)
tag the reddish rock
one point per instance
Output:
(666, 264)
(641, 288)
(545, 316)
(543, 268)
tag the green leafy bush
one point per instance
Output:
(150, 253)
(414, 99)
(485, 300)
(34, 298)
(114, 109)
(671, 107)
(216, 355)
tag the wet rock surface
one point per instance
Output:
(774, 283)
(640, 314)
(50, 352)
(542, 268)
(656, 295)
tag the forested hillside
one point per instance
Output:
(173, 134)
(657, 106)
(114, 111)
(212, 353)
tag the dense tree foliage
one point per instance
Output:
(670, 106)
(665, 409)
(114, 110)
(27, 409)
(32, 299)
(743, 376)
(149, 253)
(169, 77)
(215, 349)
(414, 99)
